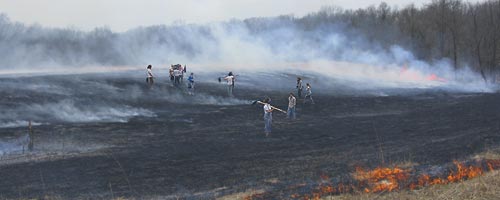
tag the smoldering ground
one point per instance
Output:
(120, 96)
(90, 98)
(109, 135)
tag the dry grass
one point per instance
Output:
(493, 154)
(482, 187)
(241, 195)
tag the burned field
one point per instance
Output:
(170, 145)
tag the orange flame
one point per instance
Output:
(493, 164)
(434, 77)
(413, 75)
(392, 179)
(460, 174)
(382, 179)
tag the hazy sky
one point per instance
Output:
(121, 15)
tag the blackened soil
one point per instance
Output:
(210, 151)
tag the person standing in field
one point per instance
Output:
(230, 83)
(150, 77)
(299, 87)
(292, 102)
(171, 73)
(308, 94)
(181, 74)
(268, 116)
(191, 84)
(177, 76)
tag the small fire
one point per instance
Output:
(384, 179)
(434, 77)
(493, 164)
(413, 75)
(462, 173)
(381, 179)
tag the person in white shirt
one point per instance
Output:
(268, 116)
(308, 94)
(230, 83)
(150, 76)
(177, 76)
(181, 76)
(292, 102)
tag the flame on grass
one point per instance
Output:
(385, 179)
(461, 173)
(415, 75)
(381, 179)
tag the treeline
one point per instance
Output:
(35, 46)
(468, 34)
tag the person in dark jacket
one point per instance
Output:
(299, 87)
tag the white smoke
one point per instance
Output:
(68, 111)
(15, 144)
(18, 123)
(93, 98)
(203, 99)
(250, 46)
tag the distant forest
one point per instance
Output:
(468, 34)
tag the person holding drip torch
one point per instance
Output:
(230, 84)
(268, 116)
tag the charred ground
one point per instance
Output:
(207, 151)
